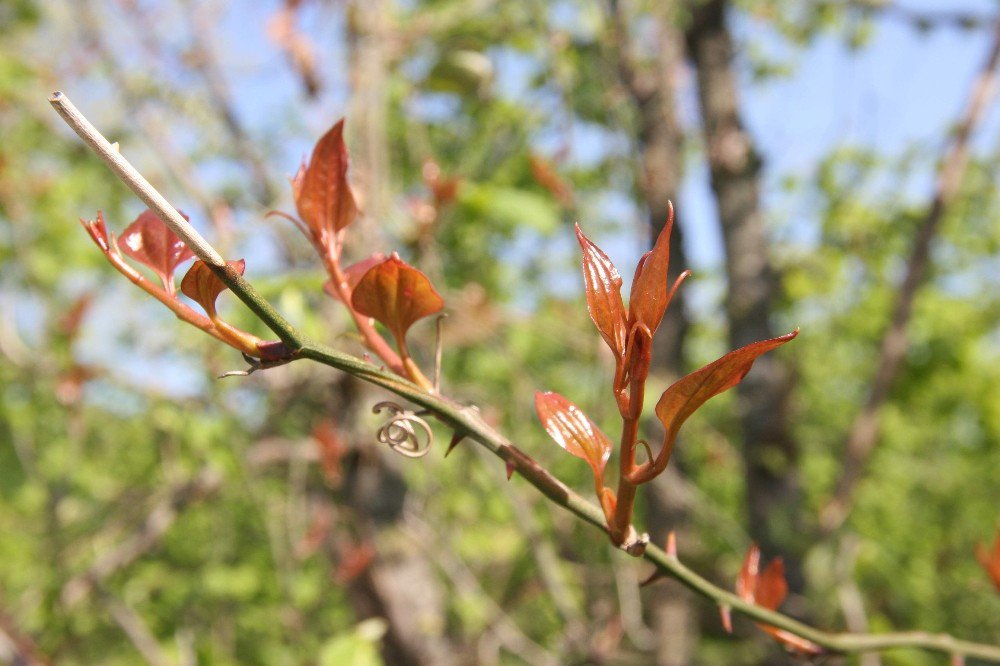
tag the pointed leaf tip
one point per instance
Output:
(396, 294)
(603, 286)
(203, 286)
(98, 231)
(649, 297)
(152, 243)
(323, 196)
(689, 393)
(573, 430)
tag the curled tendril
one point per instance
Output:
(399, 431)
(649, 451)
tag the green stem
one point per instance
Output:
(467, 420)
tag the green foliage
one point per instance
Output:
(89, 446)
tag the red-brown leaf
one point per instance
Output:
(573, 430)
(604, 298)
(152, 243)
(769, 590)
(650, 297)
(692, 391)
(545, 174)
(396, 294)
(203, 286)
(772, 588)
(443, 190)
(990, 560)
(323, 196)
(98, 231)
(354, 273)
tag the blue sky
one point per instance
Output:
(903, 88)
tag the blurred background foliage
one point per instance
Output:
(149, 511)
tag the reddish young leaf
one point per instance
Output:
(396, 294)
(443, 190)
(604, 298)
(769, 589)
(354, 273)
(69, 323)
(990, 560)
(332, 449)
(649, 298)
(354, 561)
(98, 232)
(573, 430)
(201, 285)
(689, 393)
(323, 196)
(766, 589)
(546, 176)
(152, 243)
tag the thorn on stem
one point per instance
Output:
(455, 439)
(672, 544)
(510, 470)
(727, 618)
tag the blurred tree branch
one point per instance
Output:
(20, 645)
(863, 434)
(467, 420)
(145, 537)
(770, 451)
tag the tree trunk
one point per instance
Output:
(770, 451)
(660, 140)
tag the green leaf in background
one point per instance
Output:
(357, 648)
(509, 208)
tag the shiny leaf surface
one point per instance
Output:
(689, 393)
(604, 299)
(152, 243)
(573, 430)
(395, 294)
(650, 296)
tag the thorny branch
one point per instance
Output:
(467, 421)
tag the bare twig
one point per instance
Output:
(864, 432)
(135, 628)
(145, 538)
(506, 630)
(547, 560)
(468, 420)
(17, 643)
(173, 219)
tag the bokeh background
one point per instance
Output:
(150, 512)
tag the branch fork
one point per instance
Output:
(677, 403)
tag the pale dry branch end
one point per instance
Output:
(467, 421)
(129, 175)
